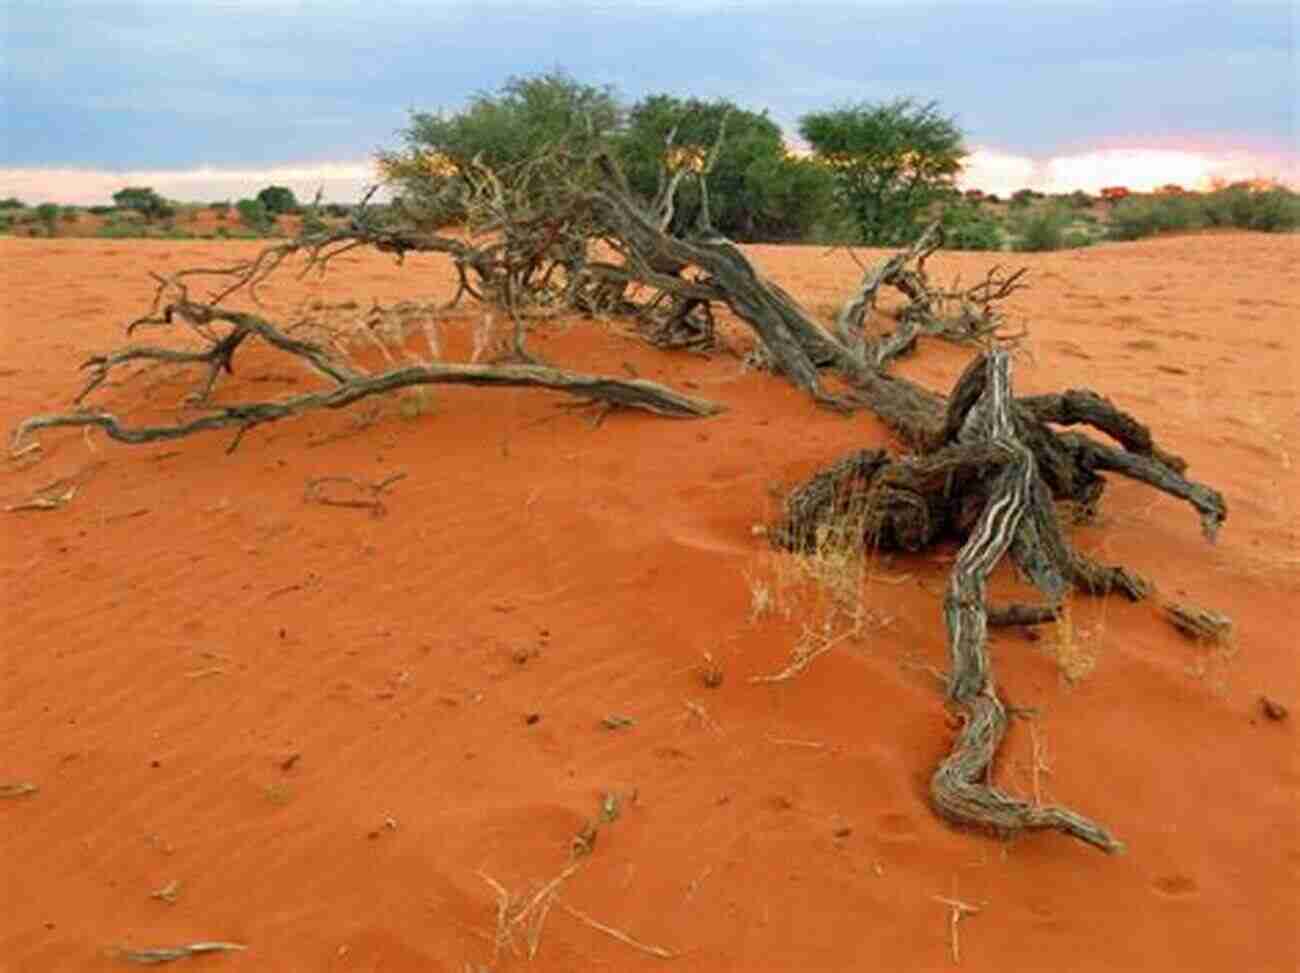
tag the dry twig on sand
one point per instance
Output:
(618, 934)
(958, 911)
(372, 493)
(156, 956)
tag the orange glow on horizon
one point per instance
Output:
(1140, 169)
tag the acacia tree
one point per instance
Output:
(143, 200)
(891, 161)
(757, 190)
(497, 130)
(278, 199)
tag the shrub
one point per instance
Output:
(11, 202)
(119, 230)
(278, 199)
(1270, 211)
(143, 200)
(47, 213)
(312, 223)
(1134, 219)
(253, 214)
(1042, 229)
(968, 227)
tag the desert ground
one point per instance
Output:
(345, 737)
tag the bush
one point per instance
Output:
(143, 200)
(253, 214)
(1135, 219)
(47, 213)
(116, 230)
(11, 202)
(1043, 229)
(278, 199)
(101, 210)
(312, 223)
(1271, 211)
(968, 227)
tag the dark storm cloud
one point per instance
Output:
(121, 84)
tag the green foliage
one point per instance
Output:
(70, 214)
(1134, 218)
(114, 230)
(1041, 229)
(756, 191)
(278, 199)
(967, 226)
(502, 128)
(1271, 211)
(48, 213)
(890, 160)
(101, 210)
(253, 214)
(143, 200)
(11, 202)
(312, 222)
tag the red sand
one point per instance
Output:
(188, 623)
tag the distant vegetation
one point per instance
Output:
(873, 174)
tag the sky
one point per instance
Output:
(214, 99)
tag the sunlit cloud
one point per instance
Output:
(1138, 169)
(340, 182)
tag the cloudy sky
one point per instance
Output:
(209, 99)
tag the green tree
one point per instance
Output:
(757, 191)
(891, 160)
(143, 200)
(253, 214)
(278, 199)
(11, 202)
(48, 213)
(501, 129)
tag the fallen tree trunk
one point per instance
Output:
(989, 473)
(349, 384)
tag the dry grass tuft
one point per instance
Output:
(826, 584)
(1067, 645)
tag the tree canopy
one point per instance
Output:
(757, 191)
(890, 160)
(143, 200)
(876, 166)
(499, 129)
(278, 199)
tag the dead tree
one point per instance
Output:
(983, 466)
(518, 256)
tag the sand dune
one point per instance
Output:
(328, 727)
